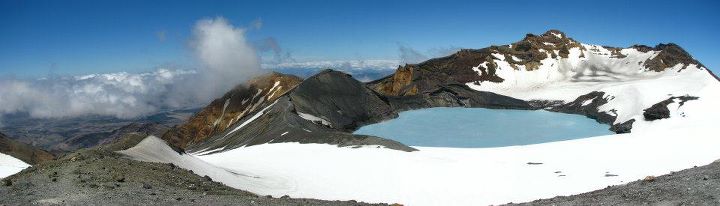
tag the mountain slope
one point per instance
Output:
(102, 176)
(322, 109)
(612, 85)
(94, 139)
(236, 104)
(668, 107)
(24, 152)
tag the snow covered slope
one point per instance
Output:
(10, 165)
(553, 69)
(237, 104)
(453, 176)
(154, 149)
(669, 99)
(628, 84)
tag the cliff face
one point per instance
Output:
(236, 104)
(24, 152)
(669, 55)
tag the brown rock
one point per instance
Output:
(225, 111)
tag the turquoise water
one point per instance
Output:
(476, 127)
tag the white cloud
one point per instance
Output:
(121, 95)
(224, 50)
(226, 58)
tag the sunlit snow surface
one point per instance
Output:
(10, 165)
(477, 127)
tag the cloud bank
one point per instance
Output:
(122, 95)
(225, 56)
(226, 59)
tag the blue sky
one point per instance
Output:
(79, 37)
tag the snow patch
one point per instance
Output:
(153, 149)
(314, 119)
(258, 114)
(222, 114)
(10, 165)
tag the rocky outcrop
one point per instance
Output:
(456, 95)
(236, 104)
(660, 110)
(669, 56)
(624, 127)
(341, 102)
(24, 152)
(587, 105)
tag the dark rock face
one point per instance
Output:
(456, 95)
(670, 55)
(24, 152)
(624, 127)
(660, 109)
(341, 100)
(657, 111)
(280, 123)
(587, 105)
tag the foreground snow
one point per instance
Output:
(452, 176)
(10, 165)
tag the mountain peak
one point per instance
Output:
(243, 100)
(554, 33)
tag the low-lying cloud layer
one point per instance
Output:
(122, 95)
(226, 60)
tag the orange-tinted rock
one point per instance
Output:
(225, 111)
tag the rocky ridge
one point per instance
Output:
(24, 152)
(236, 104)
